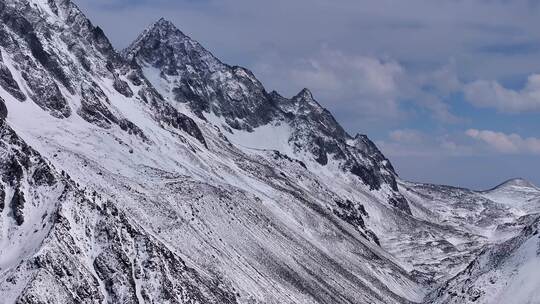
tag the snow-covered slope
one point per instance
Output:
(519, 194)
(168, 176)
(465, 222)
(505, 273)
(65, 244)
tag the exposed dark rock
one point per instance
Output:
(132, 129)
(469, 286)
(354, 214)
(163, 276)
(122, 87)
(8, 83)
(94, 106)
(367, 176)
(17, 206)
(364, 144)
(46, 93)
(135, 79)
(279, 155)
(26, 30)
(2, 197)
(48, 61)
(115, 270)
(177, 120)
(350, 213)
(42, 176)
(101, 40)
(12, 170)
(3, 109)
(82, 56)
(89, 245)
(88, 238)
(320, 152)
(401, 203)
(372, 236)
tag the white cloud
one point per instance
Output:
(506, 143)
(364, 88)
(414, 143)
(367, 85)
(490, 94)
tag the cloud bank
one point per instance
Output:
(490, 94)
(506, 143)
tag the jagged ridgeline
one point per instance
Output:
(188, 73)
(160, 174)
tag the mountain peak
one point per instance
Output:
(163, 23)
(516, 182)
(305, 95)
(158, 33)
(162, 20)
(164, 29)
(162, 42)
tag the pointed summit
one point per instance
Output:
(162, 45)
(165, 28)
(158, 34)
(195, 76)
(305, 103)
(164, 23)
(304, 95)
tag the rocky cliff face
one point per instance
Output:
(196, 77)
(163, 175)
(67, 65)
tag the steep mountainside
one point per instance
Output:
(162, 175)
(65, 244)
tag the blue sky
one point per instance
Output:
(450, 90)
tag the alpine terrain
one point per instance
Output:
(160, 174)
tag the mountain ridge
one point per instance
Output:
(515, 182)
(247, 105)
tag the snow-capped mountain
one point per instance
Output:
(162, 175)
(518, 194)
(232, 98)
